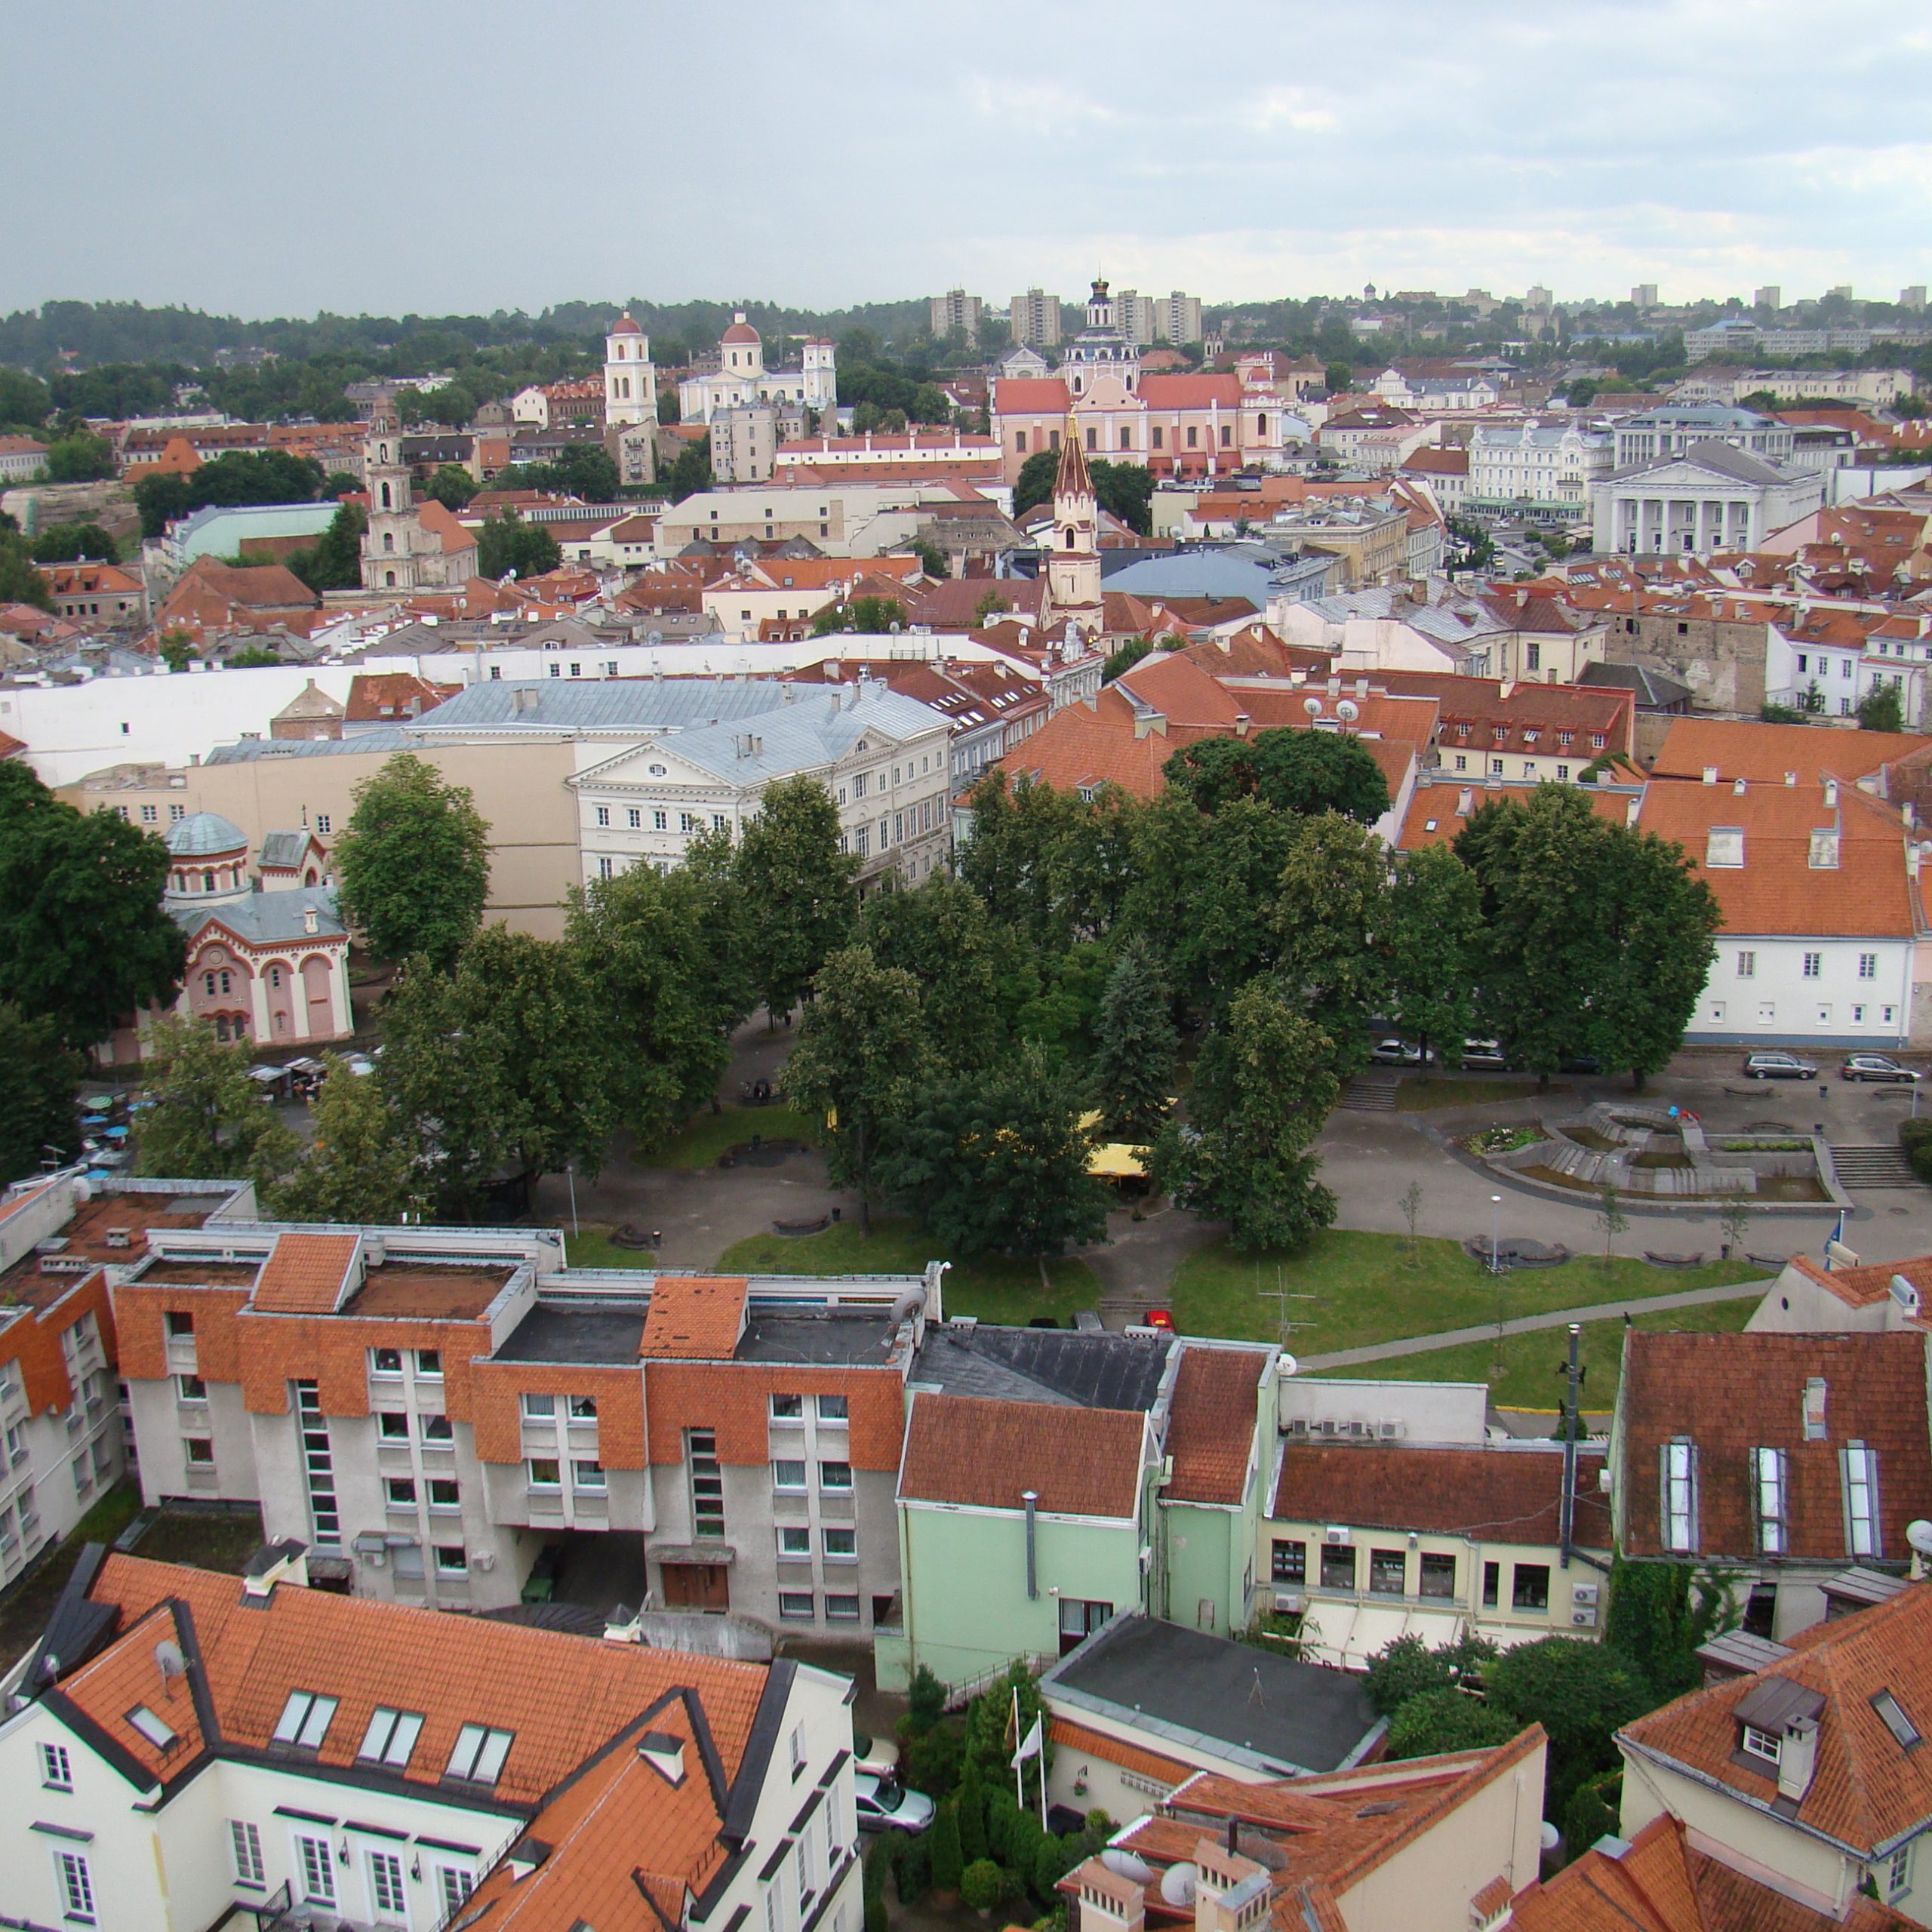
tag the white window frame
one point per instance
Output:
(302, 1870)
(57, 1767)
(1679, 1511)
(389, 1885)
(305, 1720)
(1860, 1465)
(1765, 1745)
(1770, 1499)
(76, 1884)
(245, 1846)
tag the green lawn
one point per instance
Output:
(708, 1135)
(1529, 1379)
(1362, 1288)
(995, 1290)
(1447, 1089)
(594, 1248)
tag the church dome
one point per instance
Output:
(741, 330)
(205, 835)
(623, 325)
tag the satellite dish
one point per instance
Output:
(1312, 705)
(1919, 1535)
(1551, 1837)
(1124, 1865)
(1288, 1364)
(1177, 1884)
(1348, 710)
(168, 1655)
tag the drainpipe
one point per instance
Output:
(1031, 1499)
(1567, 1512)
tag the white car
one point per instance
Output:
(878, 1755)
(886, 1807)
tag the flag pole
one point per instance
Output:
(1019, 1774)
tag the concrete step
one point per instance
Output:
(1873, 1167)
(1371, 1093)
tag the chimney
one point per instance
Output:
(310, 921)
(1831, 795)
(1791, 778)
(1737, 788)
(665, 1754)
(1241, 722)
(284, 1562)
(1631, 809)
(1798, 1758)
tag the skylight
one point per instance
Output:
(1861, 1500)
(1768, 1487)
(305, 1720)
(1680, 1498)
(157, 1734)
(391, 1737)
(479, 1754)
(1901, 1726)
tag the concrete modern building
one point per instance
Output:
(1035, 318)
(956, 309)
(189, 1749)
(1678, 430)
(744, 441)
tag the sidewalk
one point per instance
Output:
(1523, 1325)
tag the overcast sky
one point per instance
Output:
(272, 157)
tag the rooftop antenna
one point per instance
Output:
(1255, 1695)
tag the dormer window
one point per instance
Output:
(1680, 1496)
(1861, 1500)
(390, 1738)
(1724, 846)
(1769, 1500)
(478, 1756)
(1762, 1745)
(304, 1721)
(1893, 1714)
(154, 1729)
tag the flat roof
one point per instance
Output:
(552, 1332)
(85, 1238)
(1044, 1365)
(429, 1291)
(1218, 1698)
(839, 1339)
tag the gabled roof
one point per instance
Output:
(1868, 1788)
(1741, 748)
(985, 1454)
(695, 1318)
(1211, 1423)
(307, 1274)
(1729, 1394)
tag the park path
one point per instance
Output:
(1523, 1324)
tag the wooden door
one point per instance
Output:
(697, 1586)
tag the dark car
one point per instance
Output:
(1778, 1066)
(1874, 1066)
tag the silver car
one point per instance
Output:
(885, 1806)
(1874, 1066)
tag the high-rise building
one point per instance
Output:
(956, 309)
(1035, 318)
(1179, 319)
(1914, 297)
(1137, 317)
(1770, 296)
(1645, 295)
(1842, 291)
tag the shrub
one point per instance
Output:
(931, 1761)
(1053, 1860)
(972, 1802)
(925, 1698)
(1406, 1666)
(947, 1864)
(982, 1885)
(1915, 1137)
(876, 1918)
(1002, 1814)
(1446, 1720)
(1594, 1812)
(911, 1864)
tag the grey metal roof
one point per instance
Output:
(1720, 458)
(266, 918)
(384, 738)
(202, 834)
(1194, 574)
(1045, 1365)
(617, 705)
(283, 849)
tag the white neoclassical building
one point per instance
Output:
(1532, 468)
(742, 377)
(1710, 497)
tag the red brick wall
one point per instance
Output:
(497, 1387)
(732, 1398)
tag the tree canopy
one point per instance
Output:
(798, 885)
(506, 545)
(1298, 771)
(39, 1121)
(413, 863)
(206, 1119)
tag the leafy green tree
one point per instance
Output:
(1132, 1075)
(1125, 490)
(24, 400)
(75, 542)
(948, 1861)
(272, 476)
(1406, 1666)
(982, 1885)
(83, 942)
(1304, 772)
(974, 976)
(1581, 1693)
(1660, 1613)
(452, 486)
(1881, 708)
(798, 886)
(1435, 1721)
(206, 1119)
(1033, 485)
(1337, 377)
(364, 1163)
(587, 470)
(1433, 931)
(1594, 1811)
(1063, 1017)
(19, 581)
(1125, 657)
(506, 545)
(872, 616)
(971, 1806)
(500, 1065)
(862, 1053)
(81, 457)
(932, 559)
(996, 1163)
(413, 863)
(691, 471)
(39, 1122)
(666, 952)
(335, 561)
(1263, 1085)
(176, 649)
(1330, 912)
(992, 604)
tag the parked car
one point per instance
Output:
(1580, 1063)
(1159, 1318)
(1393, 1052)
(885, 1805)
(874, 1757)
(1874, 1066)
(1482, 1053)
(1778, 1066)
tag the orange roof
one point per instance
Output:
(1030, 395)
(1740, 748)
(441, 522)
(305, 1274)
(987, 1453)
(374, 696)
(1210, 1429)
(1079, 1738)
(695, 1318)
(1191, 392)
(1867, 1788)
(1438, 811)
(1077, 748)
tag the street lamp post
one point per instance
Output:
(1496, 1234)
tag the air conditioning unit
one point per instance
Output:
(1393, 1429)
(484, 1559)
(1328, 1426)
(1583, 1593)
(1337, 1536)
(1583, 1620)
(1289, 1603)
(1297, 1428)
(1362, 1431)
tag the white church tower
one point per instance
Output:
(630, 382)
(390, 543)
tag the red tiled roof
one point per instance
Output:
(1731, 1394)
(1867, 1788)
(1740, 748)
(1210, 1425)
(1066, 1735)
(305, 1275)
(1191, 392)
(1030, 395)
(695, 1318)
(374, 696)
(1511, 1496)
(987, 1453)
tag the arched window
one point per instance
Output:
(389, 579)
(207, 881)
(1261, 426)
(388, 539)
(387, 504)
(1069, 538)
(383, 453)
